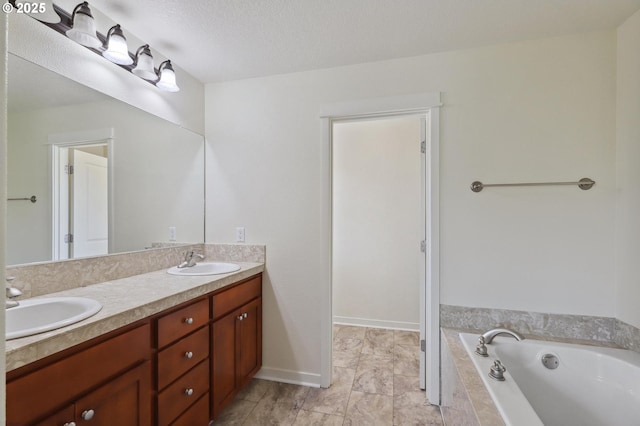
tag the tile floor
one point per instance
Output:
(375, 382)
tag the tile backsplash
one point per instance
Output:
(36, 279)
(552, 326)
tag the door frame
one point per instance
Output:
(422, 103)
(63, 141)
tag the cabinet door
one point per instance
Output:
(125, 401)
(63, 417)
(223, 361)
(249, 342)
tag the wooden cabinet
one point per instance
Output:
(116, 402)
(180, 367)
(236, 339)
(183, 362)
(110, 373)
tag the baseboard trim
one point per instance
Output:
(289, 376)
(364, 322)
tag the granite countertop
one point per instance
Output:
(124, 301)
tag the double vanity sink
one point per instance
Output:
(39, 315)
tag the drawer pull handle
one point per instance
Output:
(87, 415)
(188, 391)
(70, 424)
(188, 355)
(188, 320)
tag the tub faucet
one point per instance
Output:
(11, 293)
(190, 259)
(489, 335)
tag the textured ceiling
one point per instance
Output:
(217, 40)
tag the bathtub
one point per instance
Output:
(591, 386)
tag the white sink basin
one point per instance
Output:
(205, 268)
(35, 316)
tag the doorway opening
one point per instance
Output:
(423, 107)
(81, 196)
(378, 225)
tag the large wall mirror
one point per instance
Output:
(106, 176)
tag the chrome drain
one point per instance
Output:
(550, 361)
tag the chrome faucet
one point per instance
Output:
(489, 335)
(190, 259)
(11, 293)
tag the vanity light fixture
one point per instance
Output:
(167, 80)
(83, 27)
(80, 27)
(144, 64)
(117, 49)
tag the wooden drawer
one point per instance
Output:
(196, 415)
(174, 360)
(174, 400)
(228, 300)
(175, 325)
(74, 375)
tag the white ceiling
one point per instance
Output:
(217, 40)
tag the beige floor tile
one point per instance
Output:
(374, 375)
(346, 359)
(346, 352)
(349, 331)
(236, 413)
(369, 409)
(406, 338)
(379, 342)
(406, 360)
(347, 344)
(272, 412)
(332, 400)
(410, 406)
(255, 390)
(311, 418)
(284, 392)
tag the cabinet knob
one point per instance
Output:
(188, 320)
(188, 391)
(87, 415)
(245, 315)
(188, 354)
(240, 317)
(70, 424)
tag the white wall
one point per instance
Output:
(542, 110)
(158, 168)
(628, 172)
(40, 44)
(376, 222)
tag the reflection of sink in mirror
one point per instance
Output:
(35, 316)
(208, 268)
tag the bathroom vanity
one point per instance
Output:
(173, 359)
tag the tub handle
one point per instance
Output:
(481, 349)
(497, 371)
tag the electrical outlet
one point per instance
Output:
(172, 233)
(240, 234)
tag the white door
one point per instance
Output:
(90, 218)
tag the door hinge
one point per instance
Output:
(68, 169)
(423, 246)
(423, 147)
(423, 345)
(68, 238)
